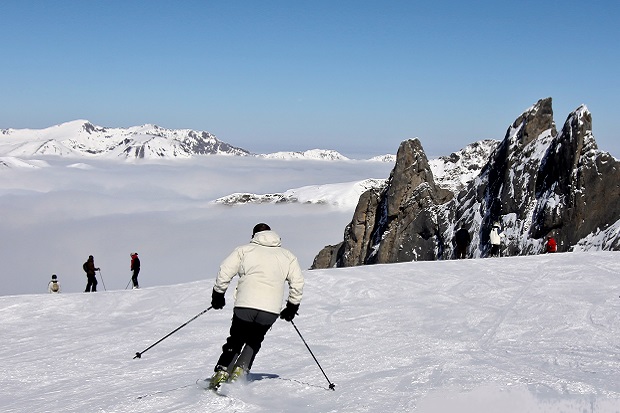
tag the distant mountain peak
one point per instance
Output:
(317, 154)
(81, 137)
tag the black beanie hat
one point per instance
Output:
(260, 227)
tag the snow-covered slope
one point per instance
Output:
(344, 195)
(12, 162)
(384, 158)
(316, 154)
(511, 335)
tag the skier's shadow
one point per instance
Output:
(261, 376)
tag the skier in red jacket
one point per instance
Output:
(552, 246)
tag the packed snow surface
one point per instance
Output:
(515, 334)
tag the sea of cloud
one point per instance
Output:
(58, 211)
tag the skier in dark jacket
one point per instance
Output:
(135, 267)
(89, 268)
(462, 241)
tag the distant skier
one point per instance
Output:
(551, 246)
(135, 267)
(53, 286)
(496, 236)
(462, 241)
(89, 268)
(263, 267)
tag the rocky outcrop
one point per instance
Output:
(400, 223)
(505, 189)
(578, 186)
(536, 182)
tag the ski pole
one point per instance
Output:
(332, 386)
(127, 286)
(102, 282)
(139, 354)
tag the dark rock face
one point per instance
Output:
(536, 183)
(505, 189)
(400, 223)
(579, 186)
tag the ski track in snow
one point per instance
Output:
(512, 334)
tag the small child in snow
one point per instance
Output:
(53, 286)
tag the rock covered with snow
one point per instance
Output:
(342, 195)
(314, 154)
(536, 183)
(384, 158)
(455, 171)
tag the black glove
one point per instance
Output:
(217, 300)
(289, 312)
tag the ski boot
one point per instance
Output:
(237, 372)
(219, 377)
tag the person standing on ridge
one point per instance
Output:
(53, 286)
(89, 268)
(462, 240)
(496, 236)
(135, 267)
(263, 267)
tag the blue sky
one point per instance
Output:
(355, 76)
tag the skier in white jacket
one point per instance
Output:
(53, 286)
(495, 237)
(263, 267)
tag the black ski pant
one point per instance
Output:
(247, 333)
(495, 252)
(461, 251)
(91, 285)
(134, 278)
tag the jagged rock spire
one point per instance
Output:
(536, 183)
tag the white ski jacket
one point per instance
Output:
(496, 236)
(51, 288)
(263, 266)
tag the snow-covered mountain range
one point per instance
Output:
(80, 138)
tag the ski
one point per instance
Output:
(205, 384)
(163, 391)
(202, 383)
